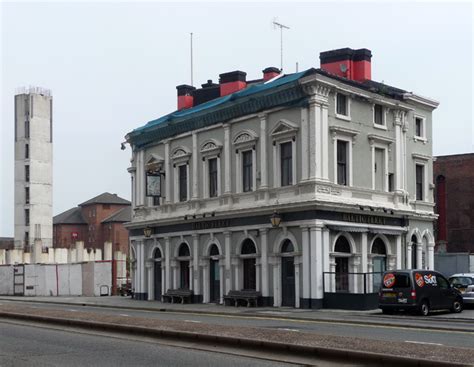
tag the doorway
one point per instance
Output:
(157, 275)
(287, 275)
(214, 276)
(342, 274)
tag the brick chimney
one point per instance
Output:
(348, 63)
(185, 96)
(232, 82)
(270, 73)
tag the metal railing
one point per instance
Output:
(349, 282)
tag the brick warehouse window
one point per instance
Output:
(420, 172)
(342, 162)
(27, 129)
(247, 169)
(27, 217)
(27, 173)
(27, 195)
(27, 151)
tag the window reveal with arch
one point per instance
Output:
(379, 253)
(184, 252)
(249, 265)
(157, 274)
(342, 264)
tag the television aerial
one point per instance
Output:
(281, 26)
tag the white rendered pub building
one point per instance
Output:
(303, 187)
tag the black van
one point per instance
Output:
(417, 290)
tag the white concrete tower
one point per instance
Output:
(33, 167)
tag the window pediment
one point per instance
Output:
(154, 162)
(284, 128)
(374, 138)
(180, 154)
(244, 138)
(211, 147)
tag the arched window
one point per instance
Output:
(414, 255)
(249, 265)
(157, 254)
(287, 246)
(342, 245)
(248, 247)
(214, 250)
(378, 247)
(183, 250)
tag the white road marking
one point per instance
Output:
(124, 314)
(427, 343)
(72, 310)
(285, 329)
(195, 321)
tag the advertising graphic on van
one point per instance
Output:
(419, 280)
(389, 280)
(431, 279)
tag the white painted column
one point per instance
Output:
(372, 170)
(264, 261)
(237, 281)
(364, 260)
(419, 255)
(258, 273)
(398, 240)
(276, 179)
(163, 277)
(228, 268)
(168, 174)
(167, 264)
(227, 167)
(313, 148)
(430, 250)
(175, 266)
(297, 282)
(195, 179)
(263, 152)
(276, 282)
(221, 281)
(410, 245)
(324, 143)
(195, 272)
(398, 153)
(304, 145)
(205, 277)
(306, 263)
(313, 269)
(332, 267)
(151, 291)
(319, 262)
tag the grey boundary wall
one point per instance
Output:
(78, 279)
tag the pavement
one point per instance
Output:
(382, 352)
(375, 316)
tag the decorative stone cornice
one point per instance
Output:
(211, 147)
(380, 139)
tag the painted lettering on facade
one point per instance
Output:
(366, 219)
(211, 224)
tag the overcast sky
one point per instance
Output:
(114, 66)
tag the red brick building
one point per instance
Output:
(454, 196)
(95, 221)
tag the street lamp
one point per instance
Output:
(275, 219)
(147, 232)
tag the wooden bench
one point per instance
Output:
(174, 294)
(245, 295)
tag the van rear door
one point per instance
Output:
(396, 288)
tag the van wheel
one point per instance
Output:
(424, 308)
(457, 306)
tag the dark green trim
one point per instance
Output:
(290, 94)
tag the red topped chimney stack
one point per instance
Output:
(270, 73)
(348, 63)
(232, 82)
(185, 96)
